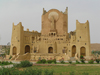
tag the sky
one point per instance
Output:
(29, 12)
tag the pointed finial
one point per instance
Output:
(27, 29)
(66, 10)
(43, 11)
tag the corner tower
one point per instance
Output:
(17, 39)
(83, 38)
(54, 21)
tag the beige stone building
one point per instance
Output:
(53, 40)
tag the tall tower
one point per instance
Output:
(83, 38)
(17, 39)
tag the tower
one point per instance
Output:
(82, 38)
(17, 39)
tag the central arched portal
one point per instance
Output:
(73, 51)
(27, 49)
(50, 50)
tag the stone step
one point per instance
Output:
(72, 59)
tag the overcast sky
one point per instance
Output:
(29, 13)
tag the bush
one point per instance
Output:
(62, 61)
(54, 61)
(43, 61)
(5, 63)
(97, 60)
(91, 61)
(23, 64)
(39, 62)
(16, 65)
(26, 63)
(49, 61)
(77, 62)
(82, 59)
(70, 61)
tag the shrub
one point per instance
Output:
(54, 61)
(77, 62)
(10, 57)
(49, 61)
(16, 65)
(62, 61)
(39, 62)
(97, 60)
(43, 61)
(26, 63)
(82, 59)
(23, 64)
(70, 61)
(91, 61)
(5, 63)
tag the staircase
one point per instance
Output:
(72, 59)
(26, 56)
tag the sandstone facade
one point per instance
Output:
(53, 39)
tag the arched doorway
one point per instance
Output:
(50, 50)
(82, 51)
(73, 51)
(27, 49)
(14, 52)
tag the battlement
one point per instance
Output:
(87, 22)
(65, 12)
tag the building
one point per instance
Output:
(4, 49)
(54, 37)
